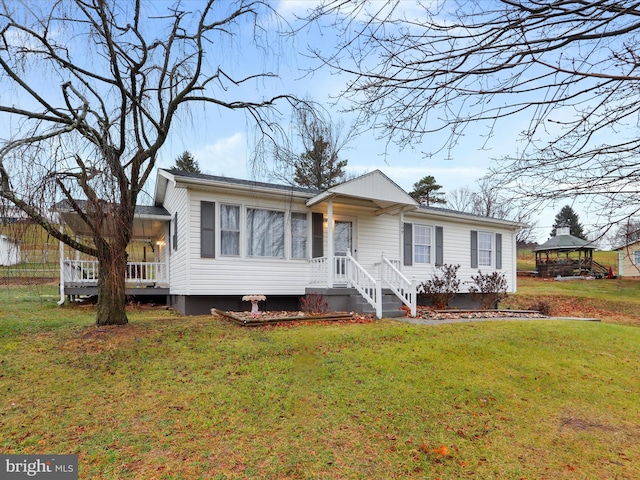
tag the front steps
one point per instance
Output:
(349, 300)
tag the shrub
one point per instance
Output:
(542, 308)
(314, 303)
(488, 289)
(442, 287)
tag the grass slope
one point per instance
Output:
(172, 397)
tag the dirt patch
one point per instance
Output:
(581, 425)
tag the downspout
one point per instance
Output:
(61, 282)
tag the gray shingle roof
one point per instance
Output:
(565, 242)
(239, 181)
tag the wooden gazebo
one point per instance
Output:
(566, 256)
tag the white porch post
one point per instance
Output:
(330, 260)
(401, 242)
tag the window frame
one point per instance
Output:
(428, 245)
(237, 231)
(249, 238)
(304, 238)
(491, 250)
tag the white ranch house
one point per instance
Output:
(364, 244)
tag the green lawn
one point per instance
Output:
(195, 397)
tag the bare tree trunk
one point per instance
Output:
(112, 263)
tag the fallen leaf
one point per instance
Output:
(443, 450)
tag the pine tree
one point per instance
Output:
(187, 163)
(568, 218)
(319, 166)
(425, 191)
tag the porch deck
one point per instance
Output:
(80, 277)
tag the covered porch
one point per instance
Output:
(147, 272)
(346, 263)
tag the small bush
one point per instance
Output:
(542, 308)
(442, 287)
(314, 303)
(488, 289)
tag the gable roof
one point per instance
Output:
(565, 242)
(375, 187)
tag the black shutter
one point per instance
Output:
(474, 249)
(207, 229)
(316, 235)
(408, 243)
(498, 251)
(439, 247)
(175, 231)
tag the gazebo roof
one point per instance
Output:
(565, 242)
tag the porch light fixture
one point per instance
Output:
(254, 299)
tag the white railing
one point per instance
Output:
(85, 273)
(401, 286)
(318, 271)
(364, 283)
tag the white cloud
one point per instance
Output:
(226, 156)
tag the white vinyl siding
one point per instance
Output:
(421, 244)
(229, 230)
(485, 249)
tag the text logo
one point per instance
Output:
(46, 467)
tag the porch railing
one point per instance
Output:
(401, 286)
(85, 273)
(364, 283)
(347, 271)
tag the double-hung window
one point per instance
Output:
(265, 233)
(230, 230)
(636, 257)
(421, 244)
(485, 249)
(298, 235)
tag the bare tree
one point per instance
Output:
(91, 91)
(311, 156)
(567, 69)
(489, 200)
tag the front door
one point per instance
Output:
(342, 243)
(343, 238)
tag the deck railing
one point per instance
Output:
(85, 273)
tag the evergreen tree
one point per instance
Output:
(187, 163)
(568, 218)
(425, 191)
(319, 166)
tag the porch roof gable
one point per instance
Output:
(374, 186)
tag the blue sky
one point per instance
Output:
(221, 140)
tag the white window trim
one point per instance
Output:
(289, 236)
(492, 251)
(430, 245)
(220, 229)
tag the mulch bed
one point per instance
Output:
(246, 319)
(431, 314)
